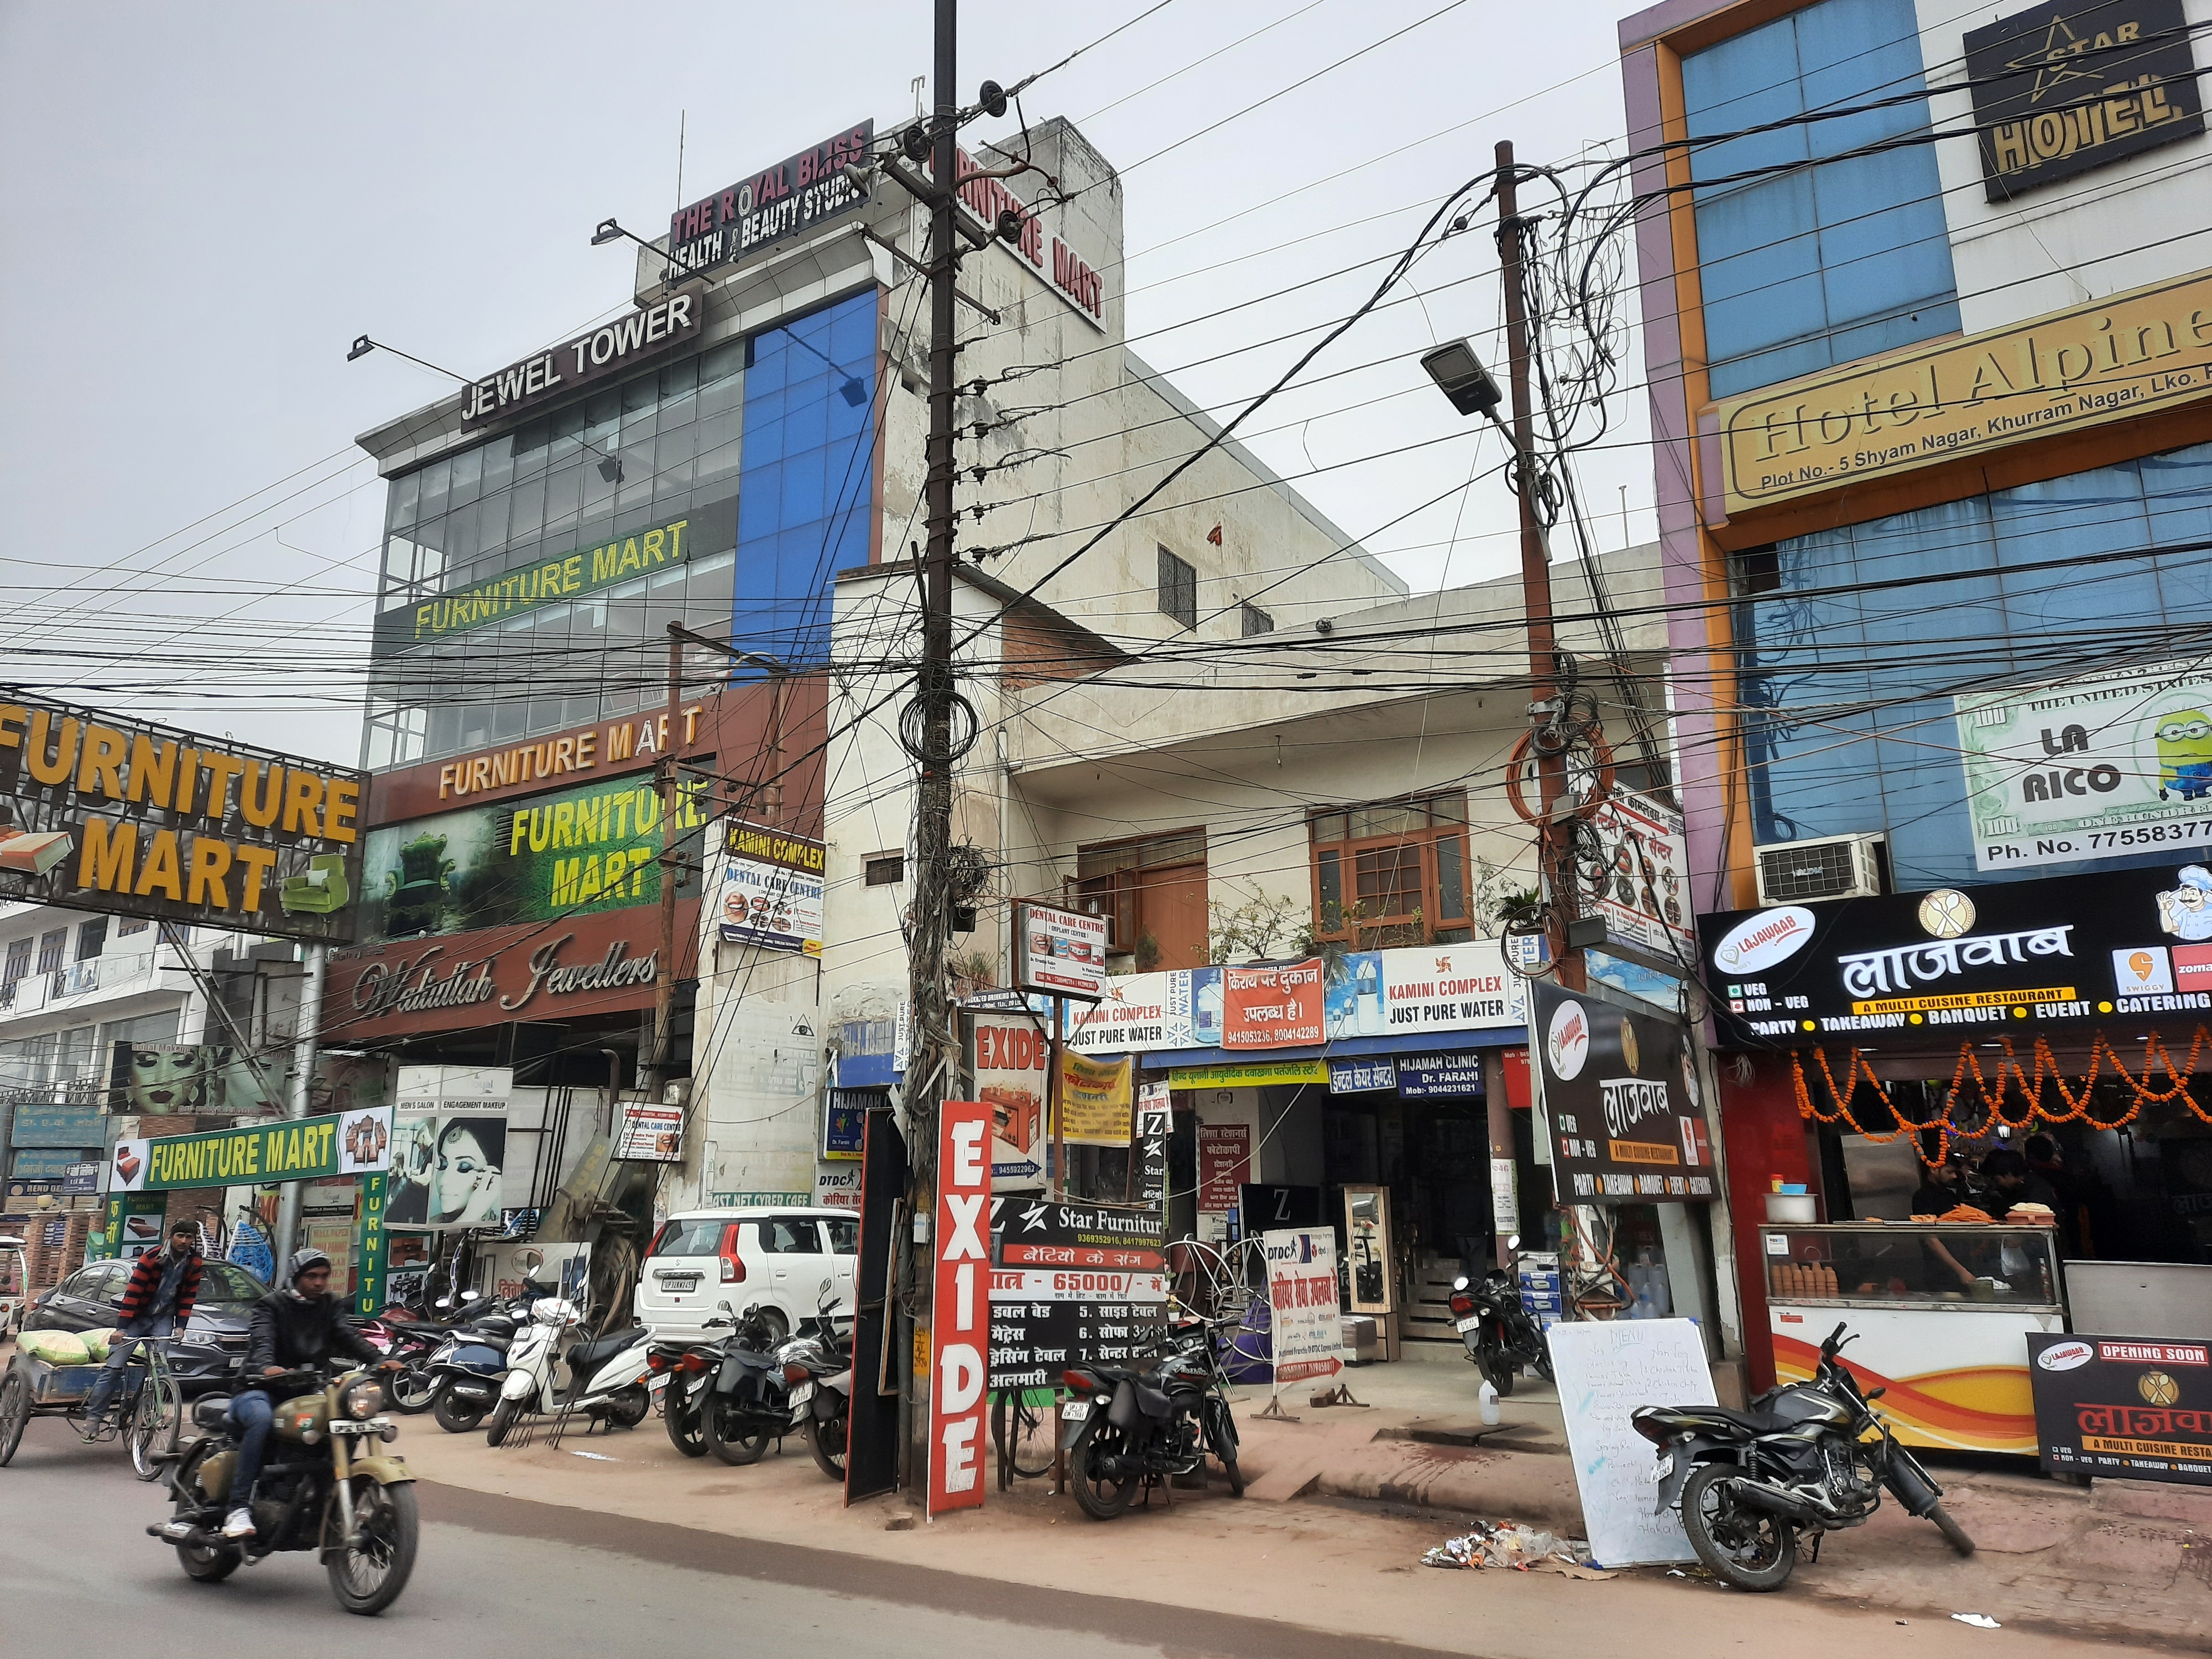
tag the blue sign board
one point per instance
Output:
(80, 1180)
(51, 1163)
(1439, 1076)
(57, 1126)
(848, 1117)
(1362, 1076)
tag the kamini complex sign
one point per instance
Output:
(2125, 356)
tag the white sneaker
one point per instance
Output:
(241, 1523)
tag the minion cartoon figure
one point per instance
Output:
(2186, 909)
(2185, 754)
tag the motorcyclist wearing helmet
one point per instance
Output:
(292, 1329)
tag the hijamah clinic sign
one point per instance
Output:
(108, 812)
(2089, 769)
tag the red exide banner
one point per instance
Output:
(960, 1318)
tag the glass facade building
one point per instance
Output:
(528, 580)
(1839, 259)
(1848, 717)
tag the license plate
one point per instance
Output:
(1074, 1411)
(1469, 1322)
(676, 1281)
(1662, 1469)
(802, 1394)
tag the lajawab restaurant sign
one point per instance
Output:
(2148, 349)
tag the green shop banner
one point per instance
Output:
(130, 1224)
(592, 848)
(368, 1288)
(292, 1149)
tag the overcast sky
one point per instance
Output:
(205, 203)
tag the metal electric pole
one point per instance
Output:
(1554, 864)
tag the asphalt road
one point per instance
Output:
(505, 1575)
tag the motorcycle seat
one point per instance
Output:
(1752, 1422)
(211, 1411)
(590, 1356)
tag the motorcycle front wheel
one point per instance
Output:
(732, 1433)
(827, 1442)
(368, 1573)
(1499, 1372)
(413, 1392)
(503, 1416)
(455, 1418)
(1097, 1494)
(1751, 1549)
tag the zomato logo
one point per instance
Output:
(1762, 941)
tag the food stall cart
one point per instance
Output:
(1941, 1310)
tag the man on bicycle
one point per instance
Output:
(292, 1329)
(158, 1300)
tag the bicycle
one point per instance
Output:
(1022, 1429)
(152, 1419)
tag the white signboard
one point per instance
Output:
(1305, 1315)
(448, 1147)
(2091, 768)
(1605, 1371)
(651, 1133)
(1060, 952)
(837, 1186)
(1646, 897)
(772, 890)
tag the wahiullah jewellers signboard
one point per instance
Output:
(2010, 957)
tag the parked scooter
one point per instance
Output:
(601, 1379)
(1125, 1430)
(1499, 1335)
(1799, 1460)
(466, 1366)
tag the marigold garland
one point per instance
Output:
(2010, 1070)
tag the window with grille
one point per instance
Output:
(1256, 621)
(1392, 874)
(19, 959)
(91, 938)
(1178, 589)
(126, 926)
(884, 869)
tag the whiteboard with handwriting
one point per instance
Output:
(1605, 1372)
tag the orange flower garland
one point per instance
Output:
(2010, 1070)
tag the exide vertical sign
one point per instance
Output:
(960, 1321)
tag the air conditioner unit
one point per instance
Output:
(1827, 867)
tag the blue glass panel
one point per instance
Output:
(1742, 223)
(1765, 367)
(1924, 785)
(806, 490)
(2091, 513)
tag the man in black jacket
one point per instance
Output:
(291, 1329)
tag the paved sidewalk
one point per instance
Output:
(2059, 1568)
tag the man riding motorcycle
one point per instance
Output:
(291, 1329)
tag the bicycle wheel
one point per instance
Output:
(15, 1412)
(156, 1423)
(1023, 1434)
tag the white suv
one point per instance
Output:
(776, 1260)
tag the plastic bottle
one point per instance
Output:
(1486, 1396)
(1662, 1292)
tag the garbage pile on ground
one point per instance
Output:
(1509, 1544)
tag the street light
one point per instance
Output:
(363, 345)
(609, 231)
(1460, 375)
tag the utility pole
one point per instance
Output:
(663, 980)
(307, 1038)
(1554, 865)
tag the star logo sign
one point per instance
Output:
(2049, 64)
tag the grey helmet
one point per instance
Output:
(303, 1260)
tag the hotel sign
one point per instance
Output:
(2148, 349)
(2063, 88)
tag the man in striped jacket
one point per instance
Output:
(158, 1300)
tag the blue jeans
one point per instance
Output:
(110, 1374)
(251, 1414)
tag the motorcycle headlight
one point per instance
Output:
(361, 1399)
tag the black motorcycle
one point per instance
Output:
(688, 1364)
(1499, 1335)
(748, 1403)
(817, 1369)
(1125, 1429)
(1807, 1457)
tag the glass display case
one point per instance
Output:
(1940, 1312)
